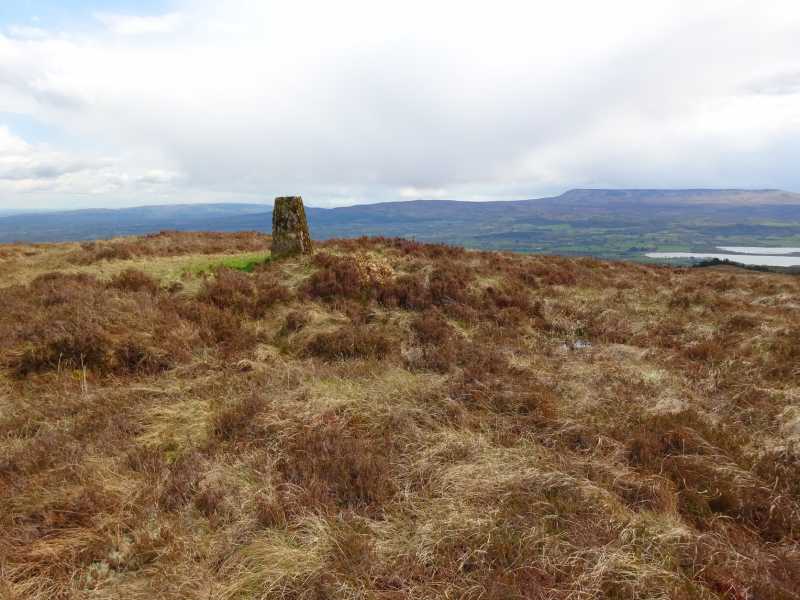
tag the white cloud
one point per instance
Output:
(22, 162)
(413, 193)
(139, 25)
(25, 32)
(363, 101)
(158, 176)
(27, 168)
(778, 84)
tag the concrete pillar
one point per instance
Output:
(289, 227)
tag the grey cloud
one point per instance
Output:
(786, 83)
(46, 169)
(36, 84)
(363, 111)
(157, 178)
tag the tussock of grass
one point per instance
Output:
(389, 419)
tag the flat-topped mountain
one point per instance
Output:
(680, 196)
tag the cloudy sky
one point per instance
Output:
(129, 102)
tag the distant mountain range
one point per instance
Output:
(7, 212)
(608, 223)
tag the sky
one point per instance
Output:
(123, 102)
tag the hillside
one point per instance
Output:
(595, 222)
(181, 417)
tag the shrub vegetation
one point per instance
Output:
(390, 419)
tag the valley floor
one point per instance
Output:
(181, 417)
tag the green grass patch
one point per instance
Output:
(239, 262)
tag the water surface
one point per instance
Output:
(745, 259)
(758, 250)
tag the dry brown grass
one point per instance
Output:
(169, 243)
(394, 420)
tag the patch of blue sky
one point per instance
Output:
(49, 135)
(66, 14)
(32, 130)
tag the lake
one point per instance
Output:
(758, 250)
(770, 260)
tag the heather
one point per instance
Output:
(389, 419)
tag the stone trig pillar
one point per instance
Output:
(289, 227)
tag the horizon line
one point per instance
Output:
(5, 213)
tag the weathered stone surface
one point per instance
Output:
(289, 227)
